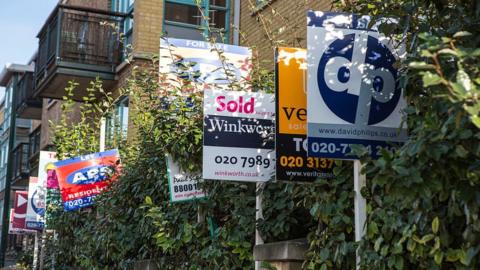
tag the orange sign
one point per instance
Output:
(293, 164)
(292, 112)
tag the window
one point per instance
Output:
(7, 108)
(117, 124)
(261, 4)
(34, 142)
(3, 162)
(125, 6)
(183, 19)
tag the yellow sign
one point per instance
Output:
(292, 64)
(293, 164)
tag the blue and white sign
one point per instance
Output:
(354, 96)
(202, 65)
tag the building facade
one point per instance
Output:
(19, 112)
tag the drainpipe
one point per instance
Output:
(8, 178)
(236, 23)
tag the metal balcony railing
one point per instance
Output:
(81, 38)
(26, 105)
(34, 142)
(20, 162)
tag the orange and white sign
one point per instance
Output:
(293, 164)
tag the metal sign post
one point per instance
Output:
(103, 125)
(258, 216)
(360, 205)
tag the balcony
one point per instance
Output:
(27, 106)
(34, 150)
(79, 44)
(20, 163)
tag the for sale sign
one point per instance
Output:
(354, 95)
(82, 178)
(47, 175)
(36, 204)
(238, 134)
(19, 212)
(291, 132)
(183, 186)
(202, 65)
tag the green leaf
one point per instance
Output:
(476, 120)
(372, 229)
(438, 257)
(435, 224)
(464, 80)
(459, 90)
(420, 65)
(462, 34)
(430, 79)
(453, 255)
(148, 200)
(377, 244)
(448, 51)
(426, 238)
(461, 151)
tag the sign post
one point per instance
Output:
(354, 96)
(360, 204)
(258, 216)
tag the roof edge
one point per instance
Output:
(11, 69)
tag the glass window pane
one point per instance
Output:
(217, 18)
(183, 32)
(182, 13)
(220, 3)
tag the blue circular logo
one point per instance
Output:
(357, 79)
(37, 202)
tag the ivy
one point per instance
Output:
(423, 200)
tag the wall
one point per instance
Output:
(285, 21)
(98, 4)
(52, 112)
(147, 28)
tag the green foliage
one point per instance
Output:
(423, 200)
(423, 204)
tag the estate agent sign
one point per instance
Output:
(238, 134)
(354, 96)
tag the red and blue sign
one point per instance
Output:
(82, 178)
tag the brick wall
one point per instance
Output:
(52, 112)
(284, 20)
(147, 28)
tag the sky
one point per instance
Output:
(20, 22)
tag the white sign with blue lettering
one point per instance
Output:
(354, 95)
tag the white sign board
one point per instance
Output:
(183, 186)
(202, 65)
(354, 96)
(238, 136)
(37, 192)
(36, 204)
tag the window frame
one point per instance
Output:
(115, 125)
(127, 7)
(206, 6)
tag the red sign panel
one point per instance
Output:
(82, 178)
(20, 209)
